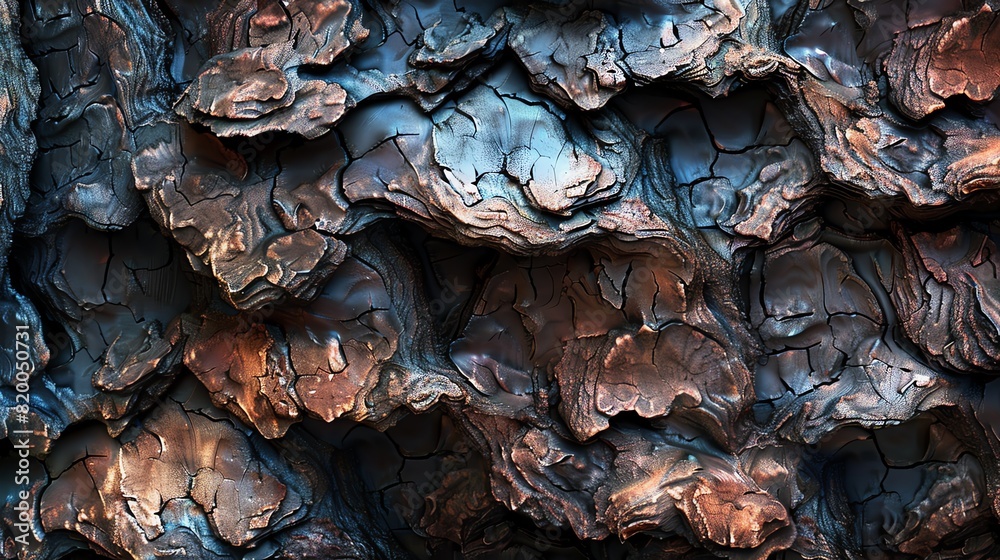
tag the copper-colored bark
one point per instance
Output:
(571, 279)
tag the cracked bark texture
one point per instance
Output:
(562, 279)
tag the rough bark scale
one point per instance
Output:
(565, 279)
